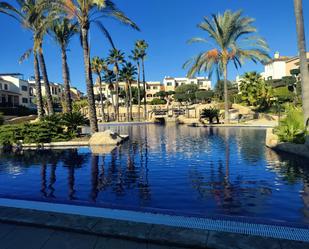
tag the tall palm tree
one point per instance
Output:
(98, 65)
(142, 46)
(235, 40)
(109, 78)
(298, 5)
(87, 12)
(136, 56)
(62, 31)
(116, 58)
(127, 74)
(35, 15)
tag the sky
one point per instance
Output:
(166, 25)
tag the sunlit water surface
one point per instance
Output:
(179, 169)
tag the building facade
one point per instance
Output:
(14, 91)
(280, 66)
(171, 83)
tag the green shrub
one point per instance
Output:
(283, 94)
(58, 127)
(1, 119)
(157, 101)
(292, 128)
(210, 113)
(17, 111)
(204, 95)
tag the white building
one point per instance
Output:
(171, 83)
(14, 91)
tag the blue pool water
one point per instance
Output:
(179, 169)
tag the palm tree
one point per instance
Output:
(35, 15)
(116, 58)
(235, 40)
(87, 12)
(109, 78)
(127, 74)
(97, 66)
(137, 57)
(298, 5)
(141, 45)
(62, 31)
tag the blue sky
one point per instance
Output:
(166, 25)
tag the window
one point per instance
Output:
(6, 87)
(155, 87)
(25, 100)
(24, 88)
(169, 83)
(0, 86)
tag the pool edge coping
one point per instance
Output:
(74, 218)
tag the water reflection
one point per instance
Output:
(195, 170)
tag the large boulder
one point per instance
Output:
(107, 137)
(271, 139)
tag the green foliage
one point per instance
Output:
(157, 101)
(79, 104)
(73, 120)
(255, 91)
(186, 93)
(58, 127)
(204, 95)
(219, 89)
(210, 113)
(283, 94)
(292, 128)
(17, 111)
(1, 119)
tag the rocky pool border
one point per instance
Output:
(164, 229)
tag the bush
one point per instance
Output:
(210, 113)
(283, 94)
(204, 95)
(58, 127)
(157, 101)
(17, 111)
(292, 128)
(1, 119)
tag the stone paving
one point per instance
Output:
(28, 237)
(33, 229)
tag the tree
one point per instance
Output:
(36, 16)
(186, 93)
(116, 58)
(97, 67)
(235, 40)
(62, 31)
(219, 89)
(136, 56)
(298, 5)
(109, 78)
(127, 74)
(255, 91)
(87, 12)
(142, 46)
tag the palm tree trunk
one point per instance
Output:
(39, 100)
(138, 91)
(66, 82)
(46, 82)
(113, 102)
(144, 87)
(117, 95)
(303, 56)
(101, 98)
(226, 97)
(89, 83)
(130, 101)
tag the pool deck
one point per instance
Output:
(46, 224)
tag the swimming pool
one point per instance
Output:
(174, 169)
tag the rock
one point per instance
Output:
(271, 139)
(105, 138)
(105, 149)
